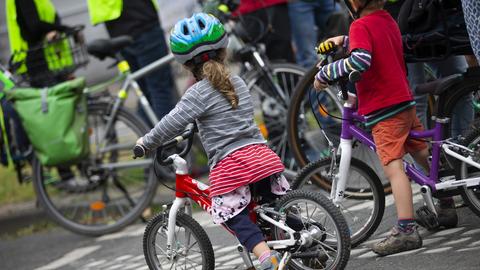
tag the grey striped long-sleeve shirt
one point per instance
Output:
(221, 128)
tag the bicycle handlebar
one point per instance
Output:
(187, 134)
(329, 49)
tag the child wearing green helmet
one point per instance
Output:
(240, 161)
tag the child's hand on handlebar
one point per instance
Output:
(140, 141)
(330, 45)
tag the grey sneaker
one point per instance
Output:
(271, 263)
(398, 241)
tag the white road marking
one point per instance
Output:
(70, 257)
(437, 250)
(449, 231)
(357, 251)
(454, 242)
(368, 255)
(135, 230)
(432, 240)
(406, 252)
(474, 244)
(470, 232)
(468, 249)
(124, 257)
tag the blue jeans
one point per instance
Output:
(463, 112)
(306, 18)
(158, 86)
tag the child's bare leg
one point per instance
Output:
(404, 235)
(402, 191)
(421, 157)
(260, 249)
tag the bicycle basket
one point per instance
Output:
(51, 62)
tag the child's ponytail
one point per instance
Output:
(219, 76)
(217, 73)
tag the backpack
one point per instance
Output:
(433, 29)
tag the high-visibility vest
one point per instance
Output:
(107, 10)
(57, 55)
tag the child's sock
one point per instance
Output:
(406, 225)
(265, 255)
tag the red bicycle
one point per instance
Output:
(174, 240)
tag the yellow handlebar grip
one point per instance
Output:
(325, 47)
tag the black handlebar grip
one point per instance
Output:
(139, 151)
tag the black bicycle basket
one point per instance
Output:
(52, 61)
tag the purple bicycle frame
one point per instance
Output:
(350, 131)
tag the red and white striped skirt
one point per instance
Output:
(244, 166)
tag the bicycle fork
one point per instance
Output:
(178, 204)
(339, 181)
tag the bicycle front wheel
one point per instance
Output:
(304, 129)
(270, 106)
(364, 199)
(107, 191)
(327, 244)
(191, 248)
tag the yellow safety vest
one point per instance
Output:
(107, 10)
(57, 55)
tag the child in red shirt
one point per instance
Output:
(375, 48)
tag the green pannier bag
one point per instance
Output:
(55, 120)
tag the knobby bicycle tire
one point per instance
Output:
(342, 245)
(47, 189)
(159, 223)
(359, 195)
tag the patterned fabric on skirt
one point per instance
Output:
(230, 178)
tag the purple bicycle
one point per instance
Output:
(357, 190)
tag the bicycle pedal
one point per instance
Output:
(427, 219)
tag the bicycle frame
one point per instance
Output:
(188, 188)
(429, 183)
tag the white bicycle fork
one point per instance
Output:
(339, 181)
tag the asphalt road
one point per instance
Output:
(457, 248)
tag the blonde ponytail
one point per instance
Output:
(219, 76)
(217, 73)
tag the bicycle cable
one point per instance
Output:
(155, 161)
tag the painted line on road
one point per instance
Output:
(69, 257)
(437, 250)
(449, 231)
(454, 242)
(470, 232)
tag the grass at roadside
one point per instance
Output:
(11, 191)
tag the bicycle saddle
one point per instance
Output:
(102, 48)
(439, 86)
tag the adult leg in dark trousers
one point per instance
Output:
(158, 86)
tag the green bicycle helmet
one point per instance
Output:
(195, 35)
